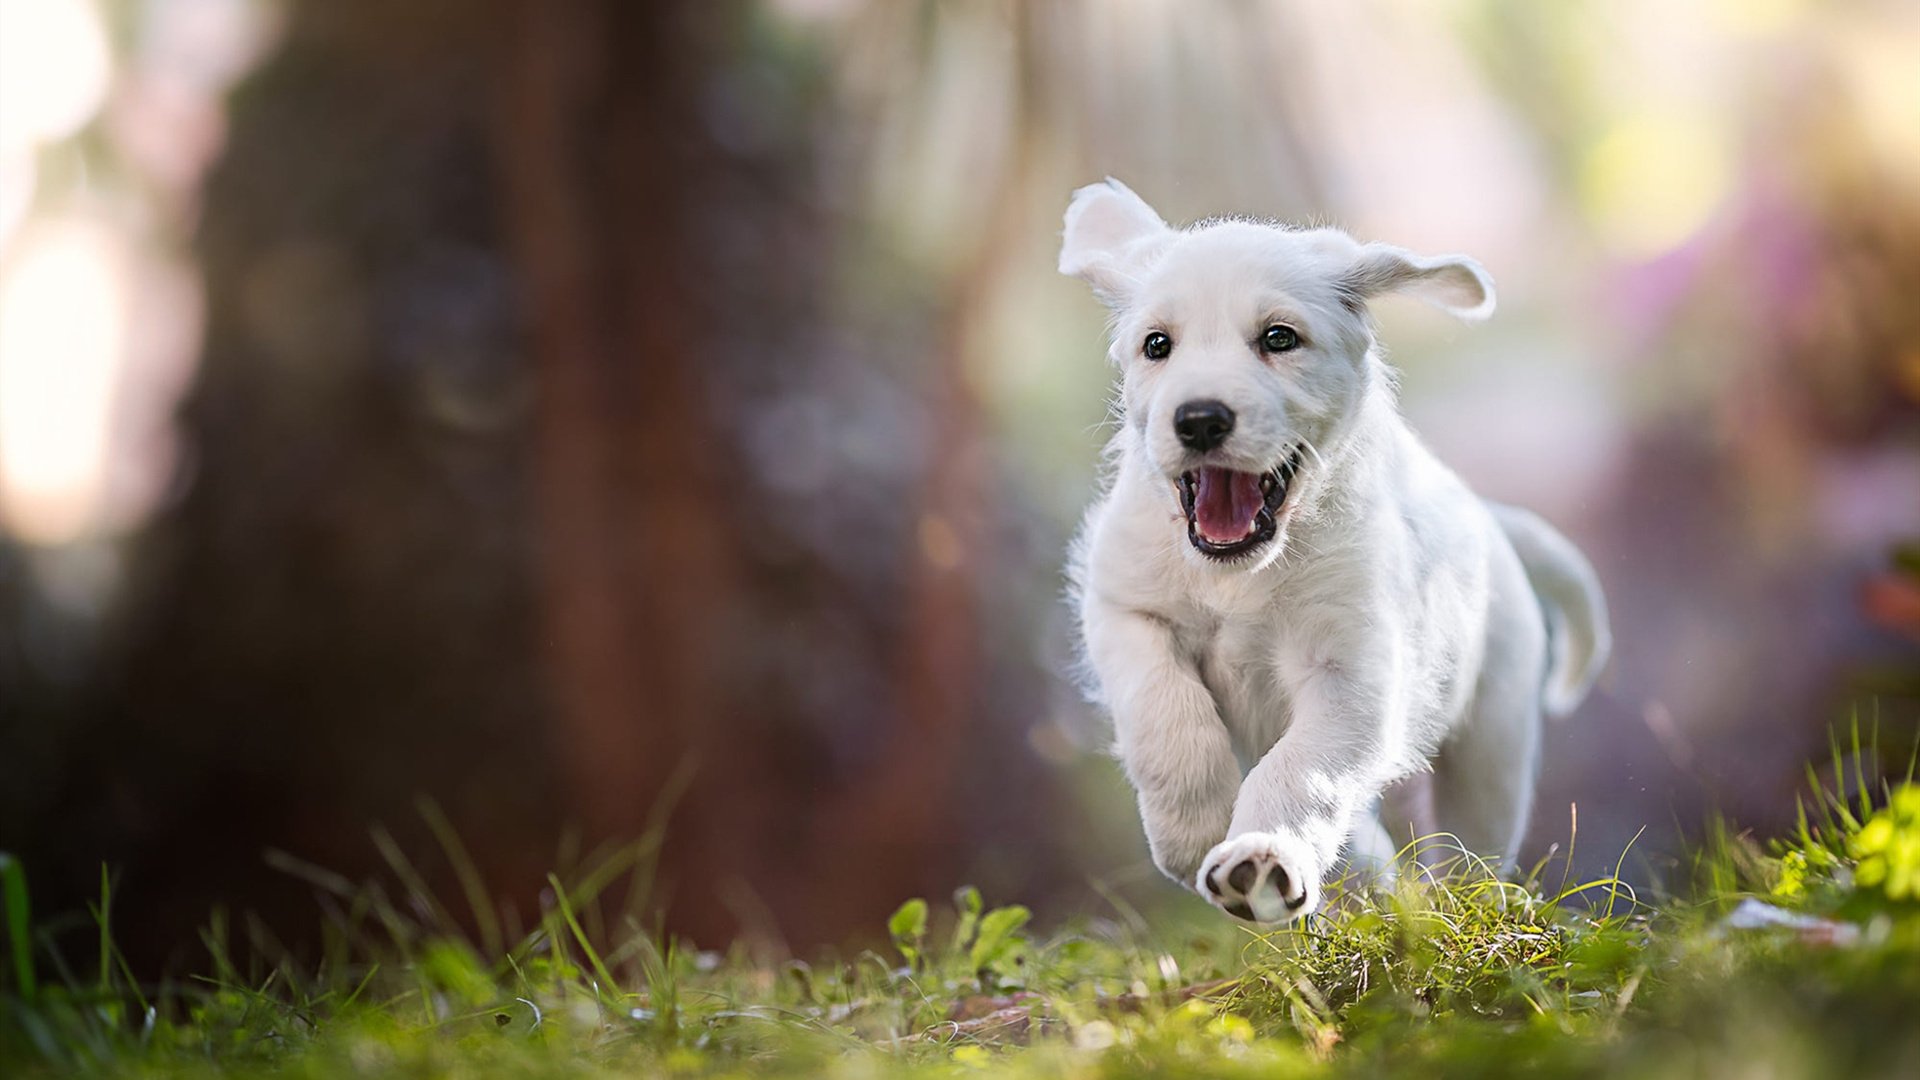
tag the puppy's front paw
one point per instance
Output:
(1261, 877)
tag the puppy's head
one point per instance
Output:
(1244, 351)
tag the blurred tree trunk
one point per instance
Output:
(500, 296)
(607, 126)
(598, 136)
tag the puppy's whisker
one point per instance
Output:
(1307, 445)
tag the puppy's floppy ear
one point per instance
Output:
(1110, 235)
(1453, 283)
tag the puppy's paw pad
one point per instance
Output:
(1260, 877)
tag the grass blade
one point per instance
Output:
(484, 916)
(13, 885)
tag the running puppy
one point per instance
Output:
(1287, 602)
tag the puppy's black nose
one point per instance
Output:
(1202, 425)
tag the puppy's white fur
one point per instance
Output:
(1396, 622)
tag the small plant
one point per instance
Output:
(908, 926)
(1886, 848)
(986, 946)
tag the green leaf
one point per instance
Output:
(908, 925)
(998, 937)
(1873, 838)
(966, 900)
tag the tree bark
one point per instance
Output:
(596, 134)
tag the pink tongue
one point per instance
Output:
(1225, 503)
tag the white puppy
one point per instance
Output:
(1287, 601)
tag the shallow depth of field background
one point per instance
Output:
(585, 416)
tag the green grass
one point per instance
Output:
(1452, 971)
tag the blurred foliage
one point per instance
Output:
(1447, 970)
(1887, 848)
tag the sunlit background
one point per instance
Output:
(590, 417)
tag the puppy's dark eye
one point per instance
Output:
(1158, 346)
(1278, 338)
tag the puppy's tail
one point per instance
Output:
(1569, 591)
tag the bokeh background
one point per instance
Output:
(584, 419)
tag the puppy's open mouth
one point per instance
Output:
(1231, 513)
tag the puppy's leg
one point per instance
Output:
(1169, 735)
(1483, 776)
(1298, 805)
